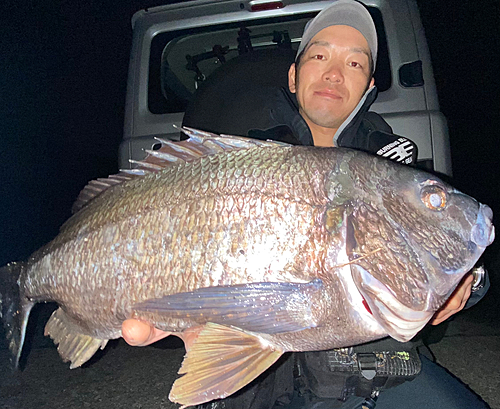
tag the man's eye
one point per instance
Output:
(318, 56)
(355, 64)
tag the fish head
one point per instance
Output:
(410, 239)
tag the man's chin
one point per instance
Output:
(324, 120)
(325, 113)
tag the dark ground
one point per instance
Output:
(63, 70)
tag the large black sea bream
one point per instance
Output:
(246, 250)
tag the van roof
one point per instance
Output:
(303, 5)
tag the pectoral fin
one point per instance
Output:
(259, 307)
(219, 362)
(73, 345)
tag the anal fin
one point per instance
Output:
(73, 346)
(219, 362)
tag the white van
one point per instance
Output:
(176, 48)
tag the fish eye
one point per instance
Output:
(434, 197)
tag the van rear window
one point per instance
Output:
(181, 60)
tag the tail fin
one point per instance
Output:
(14, 308)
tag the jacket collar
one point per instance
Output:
(352, 121)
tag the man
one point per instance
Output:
(332, 79)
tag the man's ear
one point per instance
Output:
(372, 83)
(291, 78)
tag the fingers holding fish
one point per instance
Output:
(456, 302)
(140, 333)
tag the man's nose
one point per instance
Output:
(333, 74)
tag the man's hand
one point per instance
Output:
(139, 333)
(456, 302)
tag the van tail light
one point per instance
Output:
(265, 5)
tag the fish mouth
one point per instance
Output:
(401, 322)
(483, 232)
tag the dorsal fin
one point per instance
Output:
(199, 144)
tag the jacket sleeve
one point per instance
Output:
(374, 135)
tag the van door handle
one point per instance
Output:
(411, 75)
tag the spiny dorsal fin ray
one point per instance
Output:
(221, 361)
(73, 346)
(95, 187)
(199, 144)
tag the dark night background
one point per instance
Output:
(63, 73)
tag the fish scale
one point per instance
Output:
(246, 250)
(186, 223)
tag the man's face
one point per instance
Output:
(333, 75)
